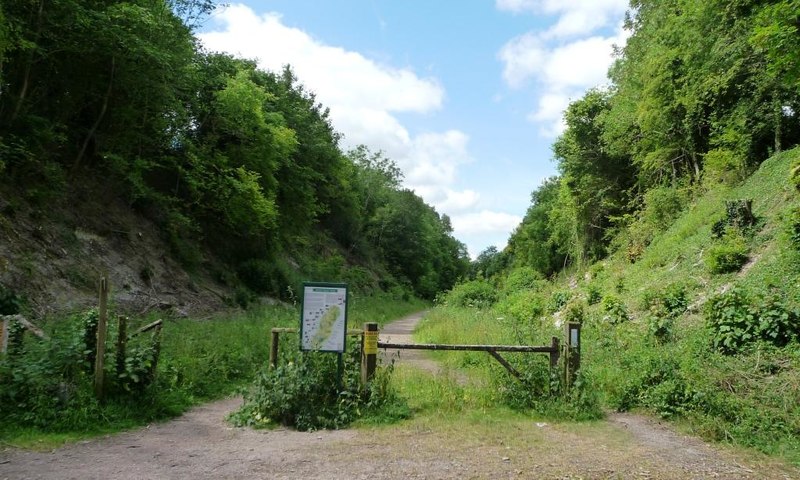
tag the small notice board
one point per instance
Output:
(323, 317)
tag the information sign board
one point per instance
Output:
(323, 317)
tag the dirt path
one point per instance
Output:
(200, 445)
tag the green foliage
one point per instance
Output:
(558, 300)
(523, 278)
(47, 384)
(723, 166)
(473, 294)
(304, 392)
(614, 309)
(522, 305)
(793, 227)
(575, 312)
(593, 294)
(10, 302)
(727, 254)
(531, 244)
(737, 318)
(662, 205)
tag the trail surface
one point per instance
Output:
(200, 445)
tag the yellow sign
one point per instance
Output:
(370, 343)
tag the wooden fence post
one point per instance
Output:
(273, 349)
(4, 326)
(156, 350)
(555, 353)
(369, 353)
(122, 343)
(573, 352)
(102, 321)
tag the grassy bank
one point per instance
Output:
(715, 349)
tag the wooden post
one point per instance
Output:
(4, 325)
(369, 353)
(273, 348)
(102, 322)
(156, 351)
(573, 352)
(555, 353)
(122, 343)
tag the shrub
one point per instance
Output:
(575, 311)
(737, 318)
(524, 305)
(523, 278)
(728, 255)
(474, 293)
(558, 300)
(10, 303)
(793, 227)
(615, 311)
(723, 166)
(661, 327)
(304, 392)
(593, 294)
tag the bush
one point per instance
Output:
(727, 255)
(558, 300)
(593, 294)
(10, 303)
(523, 305)
(793, 227)
(615, 311)
(737, 318)
(474, 293)
(304, 392)
(524, 278)
(723, 166)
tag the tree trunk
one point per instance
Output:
(26, 78)
(100, 116)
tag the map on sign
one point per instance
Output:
(323, 321)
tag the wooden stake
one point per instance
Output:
(4, 334)
(122, 343)
(102, 324)
(273, 348)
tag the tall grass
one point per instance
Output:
(46, 401)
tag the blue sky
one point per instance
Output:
(466, 97)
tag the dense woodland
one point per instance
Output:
(225, 157)
(700, 95)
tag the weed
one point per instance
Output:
(728, 254)
(307, 392)
(737, 318)
(615, 311)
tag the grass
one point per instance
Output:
(200, 360)
(749, 399)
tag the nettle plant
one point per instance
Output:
(737, 318)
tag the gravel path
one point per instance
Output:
(200, 445)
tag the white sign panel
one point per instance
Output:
(323, 321)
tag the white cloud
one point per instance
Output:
(362, 94)
(338, 76)
(485, 221)
(523, 56)
(516, 6)
(575, 17)
(562, 70)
